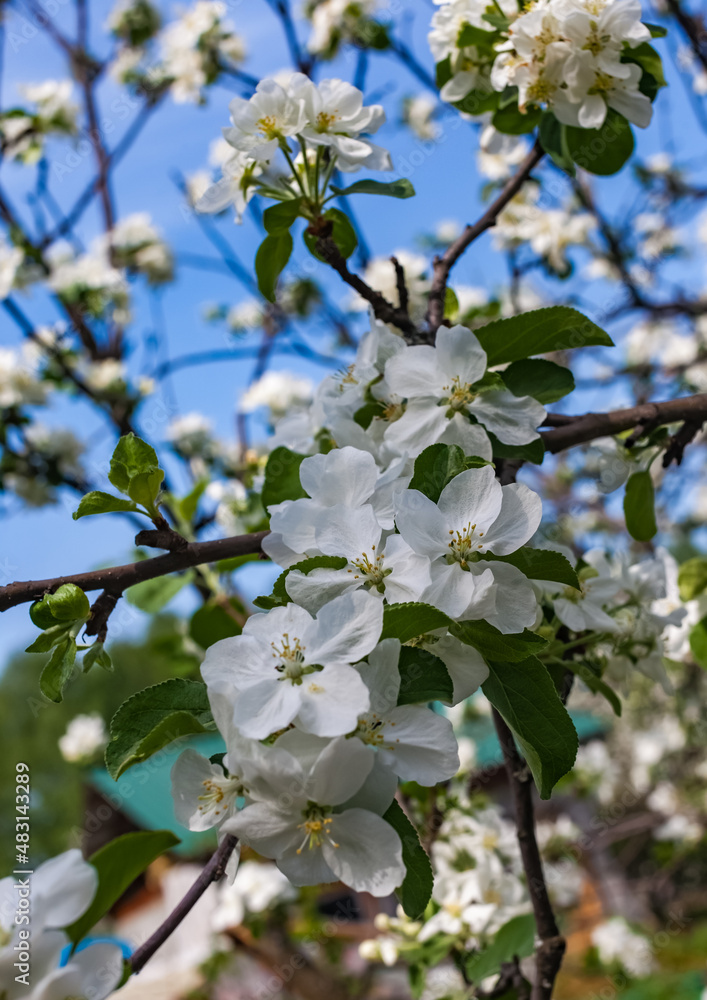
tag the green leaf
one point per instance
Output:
(212, 622)
(512, 121)
(423, 677)
(555, 328)
(595, 684)
(187, 506)
(692, 578)
(144, 488)
(532, 452)
(132, 456)
(154, 718)
(57, 672)
(639, 506)
(49, 638)
(97, 502)
(478, 102)
(524, 694)
(401, 188)
(366, 413)
(656, 30)
(553, 139)
(406, 621)
(153, 595)
(451, 303)
(469, 35)
(416, 890)
(342, 233)
(270, 261)
(68, 603)
(698, 642)
(96, 655)
(515, 939)
(282, 477)
(543, 380)
(645, 56)
(541, 564)
(499, 21)
(118, 864)
(604, 150)
(435, 467)
(494, 645)
(280, 217)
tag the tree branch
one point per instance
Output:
(117, 579)
(382, 309)
(444, 264)
(580, 429)
(552, 947)
(213, 872)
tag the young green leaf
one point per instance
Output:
(214, 621)
(524, 694)
(416, 891)
(423, 677)
(68, 603)
(553, 139)
(541, 564)
(543, 380)
(97, 502)
(692, 578)
(512, 121)
(282, 477)
(604, 150)
(595, 684)
(154, 718)
(151, 596)
(516, 939)
(406, 621)
(58, 671)
(96, 654)
(555, 328)
(118, 865)
(280, 217)
(494, 645)
(639, 506)
(401, 188)
(270, 261)
(435, 467)
(131, 457)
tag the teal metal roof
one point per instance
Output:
(144, 793)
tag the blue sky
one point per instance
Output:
(47, 542)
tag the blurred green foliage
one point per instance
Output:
(30, 727)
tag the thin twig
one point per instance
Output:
(444, 264)
(552, 947)
(213, 872)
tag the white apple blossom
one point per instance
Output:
(236, 187)
(617, 943)
(10, 260)
(334, 21)
(310, 831)
(281, 392)
(258, 887)
(19, 384)
(336, 118)
(84, 737)
(287, 666)
(445, 385)
(413, 741)
(261, 123)
(474, 515)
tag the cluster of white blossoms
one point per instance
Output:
(549, 232)
(313, 676)
(329, 123)
(478, 887)
(337, 21)
(22, 130)
(562, 54)
(633, 609)
(61, 891)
